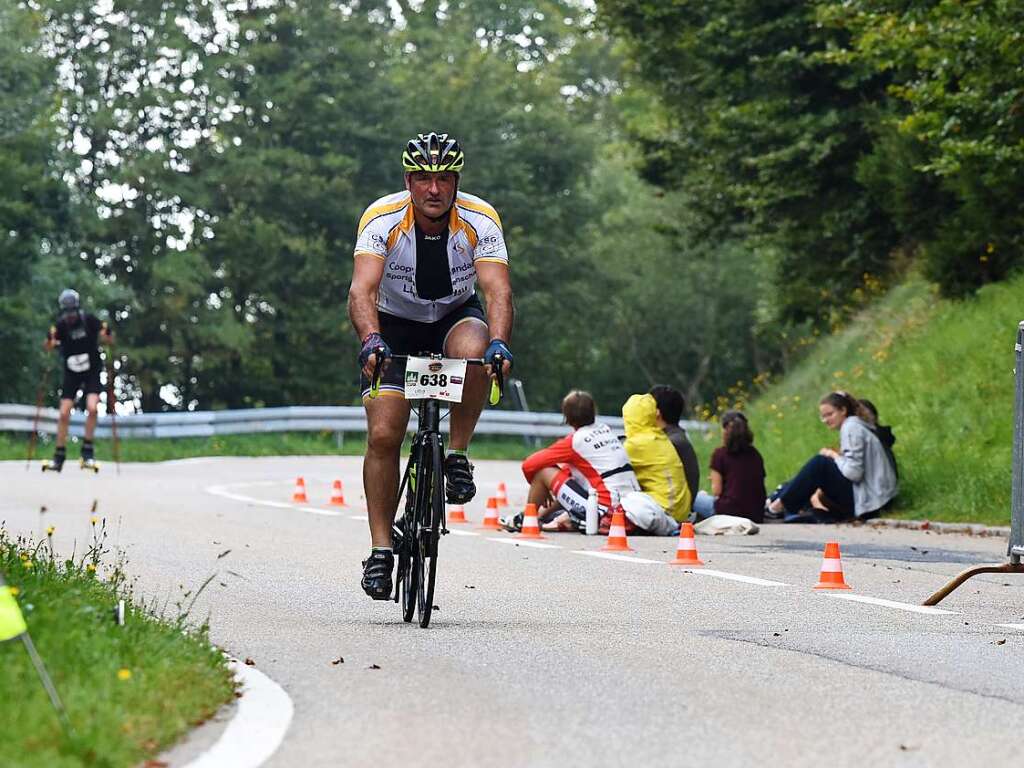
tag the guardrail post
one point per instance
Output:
(1016, 546)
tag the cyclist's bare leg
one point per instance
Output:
(540, 487)
(468, 339)
(387, 417)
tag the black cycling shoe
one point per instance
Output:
(458, 477)
(377, 570)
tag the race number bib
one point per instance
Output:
(78, 363)
(435, 379)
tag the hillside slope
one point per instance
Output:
(940, 372)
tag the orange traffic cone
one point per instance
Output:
(491, 515)
(502, 495)
(617, 541)
(531, 528)
(300, 491)
(337, 497)
(457, 514)
(686, 549)
(832, 569)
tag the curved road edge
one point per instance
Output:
(258, 727)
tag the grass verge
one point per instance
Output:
(15, 446)
(130, 691)
(940, 372)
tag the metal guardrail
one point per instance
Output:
(298, 418)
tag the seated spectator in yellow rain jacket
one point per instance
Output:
(657, 467)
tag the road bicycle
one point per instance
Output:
(430, 380)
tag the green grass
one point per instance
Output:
(130, 691)
(940, 372)
(15, 446)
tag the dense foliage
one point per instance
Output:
(841, 135)
(689, 191)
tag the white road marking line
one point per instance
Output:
(462, 533)
(525, 543)
(1011, 626)
(364, 518)
(258, 727)
(218, 490)
(318, 511)
(611, 556)
(892, 604)
(734, 577)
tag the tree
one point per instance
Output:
(950, 159)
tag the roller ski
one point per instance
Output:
(53, 465)
(88, 461)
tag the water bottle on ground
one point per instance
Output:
(593, 519)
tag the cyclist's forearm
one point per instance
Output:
(362, 313)
(500, 313)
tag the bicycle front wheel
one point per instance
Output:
(432, 518)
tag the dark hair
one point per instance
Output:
(670, 402)
(851, 405)
(738, 435)
(579, 409)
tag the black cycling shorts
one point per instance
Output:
(86, 381)
(408, 337)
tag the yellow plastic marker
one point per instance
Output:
(12, 623)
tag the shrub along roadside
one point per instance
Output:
(130, 691)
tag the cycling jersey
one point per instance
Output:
(593, 454)
(387, 231)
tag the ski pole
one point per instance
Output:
(111, 410)
(39, 403)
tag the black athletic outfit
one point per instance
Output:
(79, 346)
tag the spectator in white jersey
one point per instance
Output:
(562, 475)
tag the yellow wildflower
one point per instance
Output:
(124, 674)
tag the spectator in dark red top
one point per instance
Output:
(737, 474)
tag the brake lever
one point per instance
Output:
(377, 366)
(498, 382)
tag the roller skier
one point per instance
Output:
(78, 334)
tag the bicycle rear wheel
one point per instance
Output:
(432, 520)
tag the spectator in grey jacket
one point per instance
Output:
(858, 480)
(670, 409)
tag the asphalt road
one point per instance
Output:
(549, 657)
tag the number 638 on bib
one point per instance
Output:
(435, 379)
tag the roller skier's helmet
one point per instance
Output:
(433, 152)
(69, 301)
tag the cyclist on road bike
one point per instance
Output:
(418, 256)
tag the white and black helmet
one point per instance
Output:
(433, 152)
(69, 301)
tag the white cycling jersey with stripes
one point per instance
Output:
(387, 232)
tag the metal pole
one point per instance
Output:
(1016, 547)
(51, 691)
